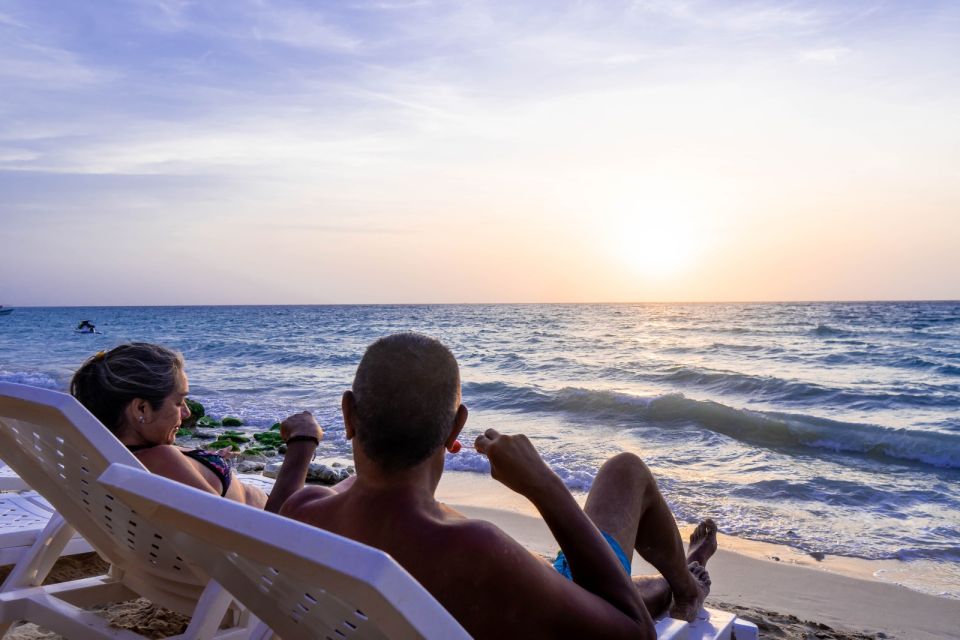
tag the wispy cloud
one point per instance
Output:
(344, 229)
(285, 23)
(31, 65)
(828, 55)
(751, 16)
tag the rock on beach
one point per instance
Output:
(316, 472)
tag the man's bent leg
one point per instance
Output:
(625, 502)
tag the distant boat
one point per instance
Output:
(5, 311)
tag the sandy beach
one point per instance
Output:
(787, 594)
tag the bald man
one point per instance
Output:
(402, 413)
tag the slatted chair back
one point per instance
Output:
(59, 448)
(303, 582)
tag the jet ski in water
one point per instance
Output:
(86, 326)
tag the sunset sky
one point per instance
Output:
(173, 152)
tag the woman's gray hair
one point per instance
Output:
(108, 381)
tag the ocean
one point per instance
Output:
(827, 427)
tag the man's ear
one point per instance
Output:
(348, 404)
(459, 420)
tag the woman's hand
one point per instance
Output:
(227, 453)
(300, 424)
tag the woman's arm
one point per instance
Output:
(168, 461)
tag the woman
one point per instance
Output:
(139, 392)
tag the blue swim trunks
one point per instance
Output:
(560, 564)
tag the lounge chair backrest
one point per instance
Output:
(303, 582)
(60, 449)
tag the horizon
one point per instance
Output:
(167, 153)
(481, 303)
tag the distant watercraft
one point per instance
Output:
(86, 326)
(5, 311)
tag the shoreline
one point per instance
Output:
(843, 593)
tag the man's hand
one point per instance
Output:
(300, 424)
(515, 462)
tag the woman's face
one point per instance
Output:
(160, 425)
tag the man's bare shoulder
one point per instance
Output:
(304, 505)
(474, 535)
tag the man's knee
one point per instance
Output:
(628, 467)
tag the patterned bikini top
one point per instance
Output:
(211, 460)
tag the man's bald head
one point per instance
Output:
(407, 391)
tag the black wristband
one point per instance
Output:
(314, 439)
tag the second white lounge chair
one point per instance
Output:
(25, 523)
(59, 449)
(9, 480)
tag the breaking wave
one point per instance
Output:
(762, 428)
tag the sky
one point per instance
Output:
(412, 151)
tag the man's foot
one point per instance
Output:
(702, 576)
(687, 608)
(703, 542)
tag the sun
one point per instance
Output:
(657, 246)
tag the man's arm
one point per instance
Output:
(293, 471)
(515, 462)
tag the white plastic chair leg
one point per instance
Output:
(61, 617)
(33, 567)
(211, 608)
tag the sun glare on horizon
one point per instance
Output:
(658, 239)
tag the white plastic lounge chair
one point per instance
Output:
(9, 480)
(24, 518)
(60, 449)
(303, 582)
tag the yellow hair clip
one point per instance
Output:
(100, 355)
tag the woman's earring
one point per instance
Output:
(141, 419)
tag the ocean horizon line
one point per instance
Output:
(486, 304)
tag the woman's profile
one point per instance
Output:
(139, 390)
